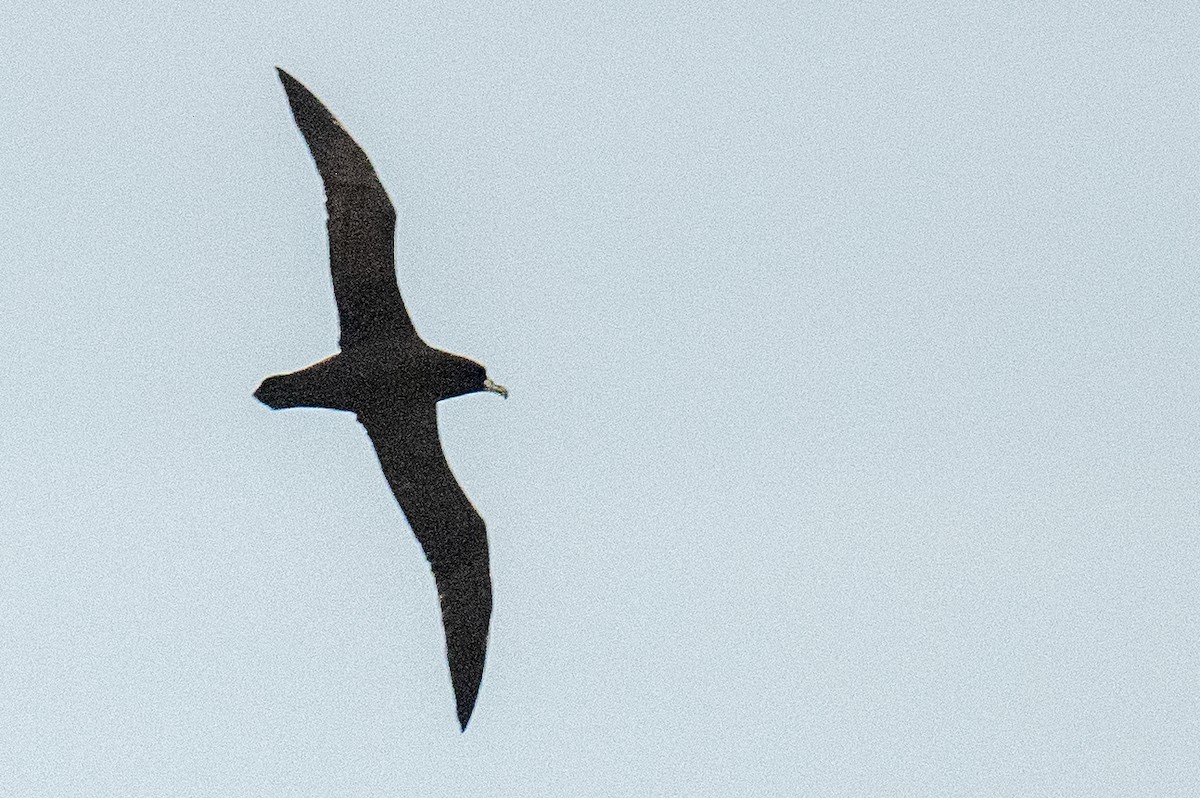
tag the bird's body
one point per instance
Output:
(360, 377)
(392, 380)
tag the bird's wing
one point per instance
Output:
(449, 530)
(362, 224)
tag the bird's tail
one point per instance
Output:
(320, 385)
(278, 393)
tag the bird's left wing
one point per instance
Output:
(449, 530)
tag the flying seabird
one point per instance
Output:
(392, 381)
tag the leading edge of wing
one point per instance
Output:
(451, 533)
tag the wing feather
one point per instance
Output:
(450, 531)
(362, 225)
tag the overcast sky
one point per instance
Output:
(852, 443)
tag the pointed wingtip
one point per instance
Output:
(465, 594)
(309, 112)
(289, 83)
(464, 716)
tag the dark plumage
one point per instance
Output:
(392, 381)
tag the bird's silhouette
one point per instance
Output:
(392, 381)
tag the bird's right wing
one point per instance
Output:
(362, 224)
(449, 530)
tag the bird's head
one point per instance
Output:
(463, 376)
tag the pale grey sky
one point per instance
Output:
(854, 422)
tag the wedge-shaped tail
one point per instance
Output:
(323, 384)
